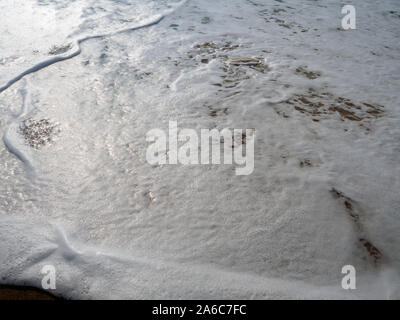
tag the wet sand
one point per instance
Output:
(24, 293)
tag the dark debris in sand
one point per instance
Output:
(55, 50)
(38, 133)
(354, 212)
(307, 73)
(234, 70)
(320, 105)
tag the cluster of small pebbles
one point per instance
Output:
(38, 133)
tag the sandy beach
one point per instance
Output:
(200, 149)
(23, 293)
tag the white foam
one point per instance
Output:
(116, 227)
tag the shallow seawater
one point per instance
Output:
(77, 192)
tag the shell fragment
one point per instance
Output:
(243, 61)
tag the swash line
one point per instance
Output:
(25, 110)
(49, 62)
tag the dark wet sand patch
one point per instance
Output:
(24, 293)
